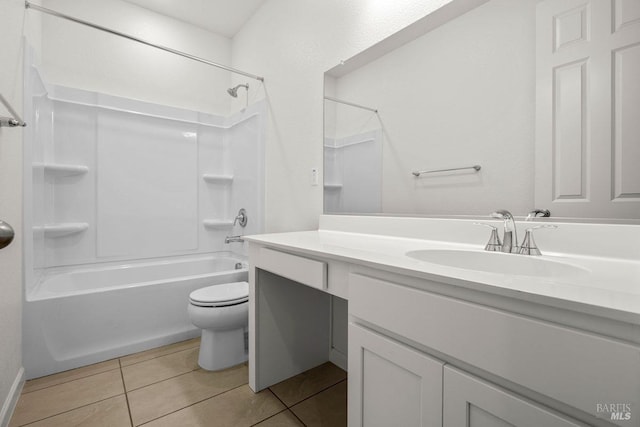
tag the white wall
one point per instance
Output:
(78, 56)
(10, 206)
(460, 95)
(291, 43)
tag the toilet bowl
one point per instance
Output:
(222, 312)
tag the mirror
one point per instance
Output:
(451, 116)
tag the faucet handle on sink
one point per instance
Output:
(494, 244)
(528, 244)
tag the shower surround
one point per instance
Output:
(117, 191)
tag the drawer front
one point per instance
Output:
(302, 270)
(580, 369)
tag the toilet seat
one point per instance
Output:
(220, 295)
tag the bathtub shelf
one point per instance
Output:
(57, 169)
(333, 186)
(62, 229)
(218, 179)
(217, 224)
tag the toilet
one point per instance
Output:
(222, 312)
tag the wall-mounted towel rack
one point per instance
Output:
(10, 121)
(474, 167)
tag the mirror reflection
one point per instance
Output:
(493, 109)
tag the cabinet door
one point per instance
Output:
(391, 384)
(471, 402)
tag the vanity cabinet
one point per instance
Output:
(499, 367)
(427, 350)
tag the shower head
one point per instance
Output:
(234, 90)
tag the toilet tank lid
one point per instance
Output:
(221, 293)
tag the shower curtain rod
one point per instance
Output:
(29, 5)
(340, 101)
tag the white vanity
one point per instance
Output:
(431, 344)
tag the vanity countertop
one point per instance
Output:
(609, 287)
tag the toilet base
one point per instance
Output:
(221, 349)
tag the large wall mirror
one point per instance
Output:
(491, 104)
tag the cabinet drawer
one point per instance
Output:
(302, 270)
(580, 369)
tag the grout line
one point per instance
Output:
(159, 381)
(154, 357)
(70, 410)
(314, 394)
(288, 408)
(126, 396)
(192, 404)
(70, 380)
(276, 414)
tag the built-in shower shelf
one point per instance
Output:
(62, 229)
(218, 179)
(333, 186)
(217, 224)
(57, 169)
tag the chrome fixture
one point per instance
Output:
(544, 213)
(528, 244)
(474, 167)
(238, 266)
(29, 5)
(231, 239)
(509, 236)
(494, 244)
(241, 218)
(10, 121)
(6, 234)
(233, 91)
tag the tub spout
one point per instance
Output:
(230, 239)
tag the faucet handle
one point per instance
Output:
(528, 246)
(494, 244)
(544, 213)
(241, 218)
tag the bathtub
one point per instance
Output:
(75, 317)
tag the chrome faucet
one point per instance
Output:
(509, 238)
(230, 239)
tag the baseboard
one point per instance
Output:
(11, 401)
(337, 358)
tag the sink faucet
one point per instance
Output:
(509, 238)
(230, 239)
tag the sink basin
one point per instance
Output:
(497, 262)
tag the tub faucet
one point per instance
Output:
(509, 238)
(230, 239)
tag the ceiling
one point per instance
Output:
(224, 17)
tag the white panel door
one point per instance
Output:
(471, 402)
(588, 108)
(391, 384)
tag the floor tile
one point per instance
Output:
(167, 396)
(107, 413)
(283, 419)
(236, 408)
(161, 368)
(73, 374)
(298, 388)
(60, 398)
(328, 409)
(160, 351)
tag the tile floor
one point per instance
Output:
(165, 387)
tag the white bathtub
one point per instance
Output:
(75, 317)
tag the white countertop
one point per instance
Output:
(609, 288)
